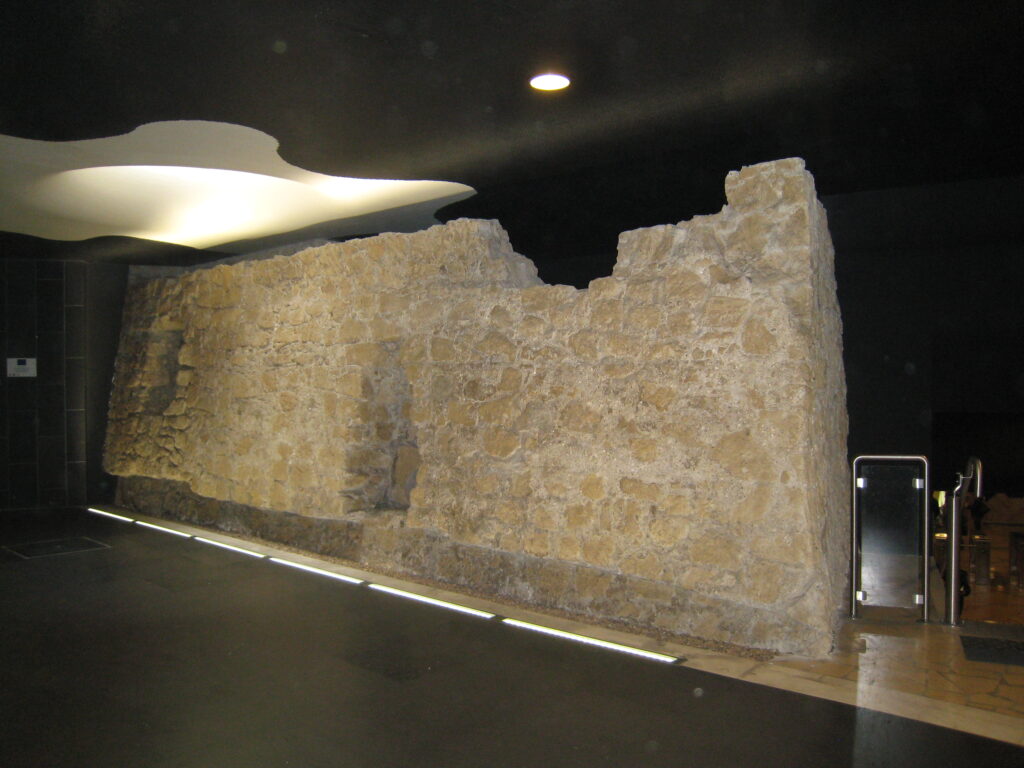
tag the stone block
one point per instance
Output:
(568, 547)
(577, 417)
(500, 443)
(669, 530)
(606, 314)
(599, 549)
(462, 414)
(584, 344)
(497, 345)
(544, 297)
(767, 185)
(639, 489)
(646, 567)
(579, 517)
(743, 457)
(653, 393)
(643, 449)
(366, 354)
(502, 411)
(442, 350)
(757, 339)
(593, 487)
(725, 312)
(644, 318)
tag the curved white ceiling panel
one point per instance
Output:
(195, 183)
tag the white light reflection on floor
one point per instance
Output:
(662, 657)
(165, 530)
(432, 601)
(319, 571)
(222, 545)
(651, 655)
(122, 518)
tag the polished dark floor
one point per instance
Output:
(157, 651)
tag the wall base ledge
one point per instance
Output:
(575, 590)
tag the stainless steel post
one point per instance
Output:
(926, 543)
(854, 544)
(974, 471)
(953, 553)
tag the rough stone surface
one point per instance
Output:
(666, 448)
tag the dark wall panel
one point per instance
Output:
(105, 289)
(66, 315)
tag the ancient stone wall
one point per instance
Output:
(665, 448)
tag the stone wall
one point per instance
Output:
(666, 448)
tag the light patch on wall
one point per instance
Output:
(198, 184)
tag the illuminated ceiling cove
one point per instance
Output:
(198, 184)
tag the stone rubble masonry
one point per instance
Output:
(666, 448)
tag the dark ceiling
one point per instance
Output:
(667, 96)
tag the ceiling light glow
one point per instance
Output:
(550, 81)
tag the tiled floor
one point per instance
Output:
(886, 660)
(889, 661)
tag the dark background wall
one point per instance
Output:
(930, 283)
(105, 289)
(66, 314)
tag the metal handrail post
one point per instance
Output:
(953, 554)
(974, 471)
(854, 541)
(926, 544)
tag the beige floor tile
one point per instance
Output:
(824, 667)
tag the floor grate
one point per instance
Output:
(55, 547)
(993, 650)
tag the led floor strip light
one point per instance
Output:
(165, 530)
(653, 656)
(593, 641)
(222, 545)
(432, 601)
(320, 571)
(111, 514)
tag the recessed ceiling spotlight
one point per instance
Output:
(550, 82)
